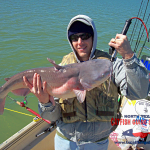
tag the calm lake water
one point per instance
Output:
(32, 30)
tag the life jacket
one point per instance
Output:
(100, 103)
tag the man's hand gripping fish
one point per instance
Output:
(67, 81)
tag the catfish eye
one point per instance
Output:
(102, 75)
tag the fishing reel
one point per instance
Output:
(24, 102)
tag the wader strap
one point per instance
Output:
(68, 115)
(104, 113)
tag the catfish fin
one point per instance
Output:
(21, 91)
(86, 86)
(55, 65)
(80, 95)
(6, 79)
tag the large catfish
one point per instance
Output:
(67, 81)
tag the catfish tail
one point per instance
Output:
(2, 100)
(2, 104)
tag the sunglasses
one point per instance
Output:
(83, 36)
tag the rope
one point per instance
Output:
(135, 25)
(143, 6)
(19, 112)
(138, 41)
(140, 51)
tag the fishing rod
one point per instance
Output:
(112, 50)
(22, 104)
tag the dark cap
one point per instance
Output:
(79, 27)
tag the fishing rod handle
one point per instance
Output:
(112, 50)
(126, 27)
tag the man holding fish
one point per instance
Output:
(87, 124)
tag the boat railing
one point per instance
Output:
(141, 49)
(147, 48)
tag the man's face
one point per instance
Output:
(83, 47)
